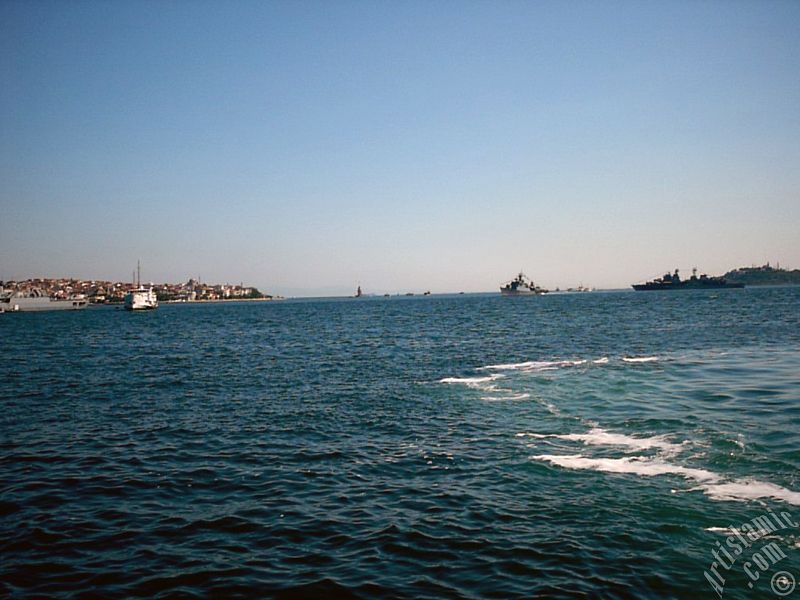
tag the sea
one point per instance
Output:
(585, 445)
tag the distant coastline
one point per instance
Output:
(763, 276)
(195, 291)
(113, 292)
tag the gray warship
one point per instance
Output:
(674, 282)
(521, 286)
(37, 300)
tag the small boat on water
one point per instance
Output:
(37, 300)
(674, 282)
(580, 288)
(521, 286)
(141, 298)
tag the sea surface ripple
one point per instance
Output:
(474, 446)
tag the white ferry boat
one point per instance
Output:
(141, 298)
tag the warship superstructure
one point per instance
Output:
(521, 286)
(674, 282)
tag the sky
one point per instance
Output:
(310, 147)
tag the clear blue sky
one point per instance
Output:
(306, 147)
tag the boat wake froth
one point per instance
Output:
(600, 437)
(639, 359)
(470, 380)
(713, 485)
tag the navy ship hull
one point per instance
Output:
(673, 282)
(41, 303)
(651, 287)
(519, 292)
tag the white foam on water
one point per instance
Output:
(521, 396)
(637, 465)
(524, 366)
(721, 530)
(639, 359)
(548, 365)
(552, 408)
(471, 381)
(533, 365)
(715, 486)
(600, 437)
(750, 489)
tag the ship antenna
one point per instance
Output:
(138, 274)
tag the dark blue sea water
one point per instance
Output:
(589, 445)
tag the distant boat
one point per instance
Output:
(37, 300)
(580, 288)
(521, 286)
(141, 298)
(674, 282)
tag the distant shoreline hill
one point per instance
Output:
(764, 275)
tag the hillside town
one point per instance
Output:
(108, 292)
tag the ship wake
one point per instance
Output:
(656, 464)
